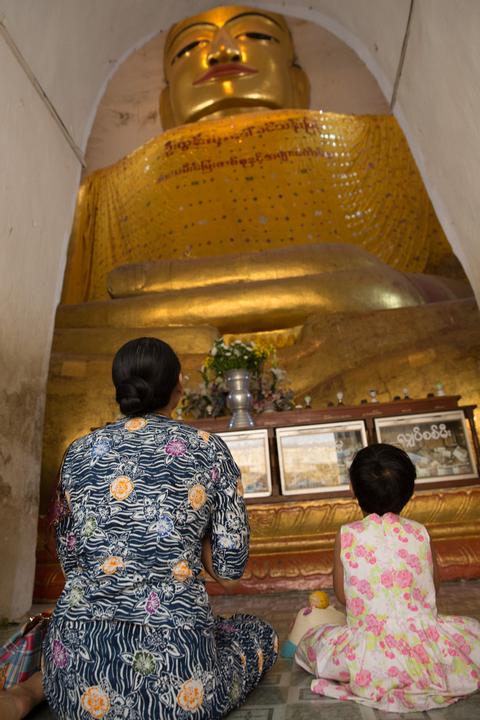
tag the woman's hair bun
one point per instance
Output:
(134, 396)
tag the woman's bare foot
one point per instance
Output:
(17, 702)
(11, 707)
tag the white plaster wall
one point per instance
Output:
(439, 109)
(37, 178)
(73, 47)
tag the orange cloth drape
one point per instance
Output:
(252, 182)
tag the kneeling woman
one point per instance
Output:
(144, 503)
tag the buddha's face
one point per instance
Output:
(228, 60)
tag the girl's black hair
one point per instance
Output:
(383, 478)
(145, 372)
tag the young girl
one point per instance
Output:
(396, 653)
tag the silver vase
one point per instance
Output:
(239, 399)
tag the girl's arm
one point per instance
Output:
(208, 565)
(338, 586)
(435, 571)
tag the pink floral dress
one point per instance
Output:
(395, 653)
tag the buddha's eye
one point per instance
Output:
(257, 36)
(186, 49)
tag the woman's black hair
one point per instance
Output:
(145, 372)
(383, 478)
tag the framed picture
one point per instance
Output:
(437, 443)
(316, 458)
(250, 451)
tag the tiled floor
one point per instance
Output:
(284, 693)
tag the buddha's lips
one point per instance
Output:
(225, 70)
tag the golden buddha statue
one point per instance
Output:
(190, 207)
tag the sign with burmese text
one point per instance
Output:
(437, 443)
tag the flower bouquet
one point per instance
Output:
(209, 399)
(239, 354)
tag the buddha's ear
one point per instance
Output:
(301, 87)
(165, 108)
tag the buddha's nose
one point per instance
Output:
(223, 49)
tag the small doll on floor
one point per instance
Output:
(318, 612)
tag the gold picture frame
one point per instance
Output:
(250, 451)
(316, 458)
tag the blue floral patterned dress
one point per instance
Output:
(132, 636)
